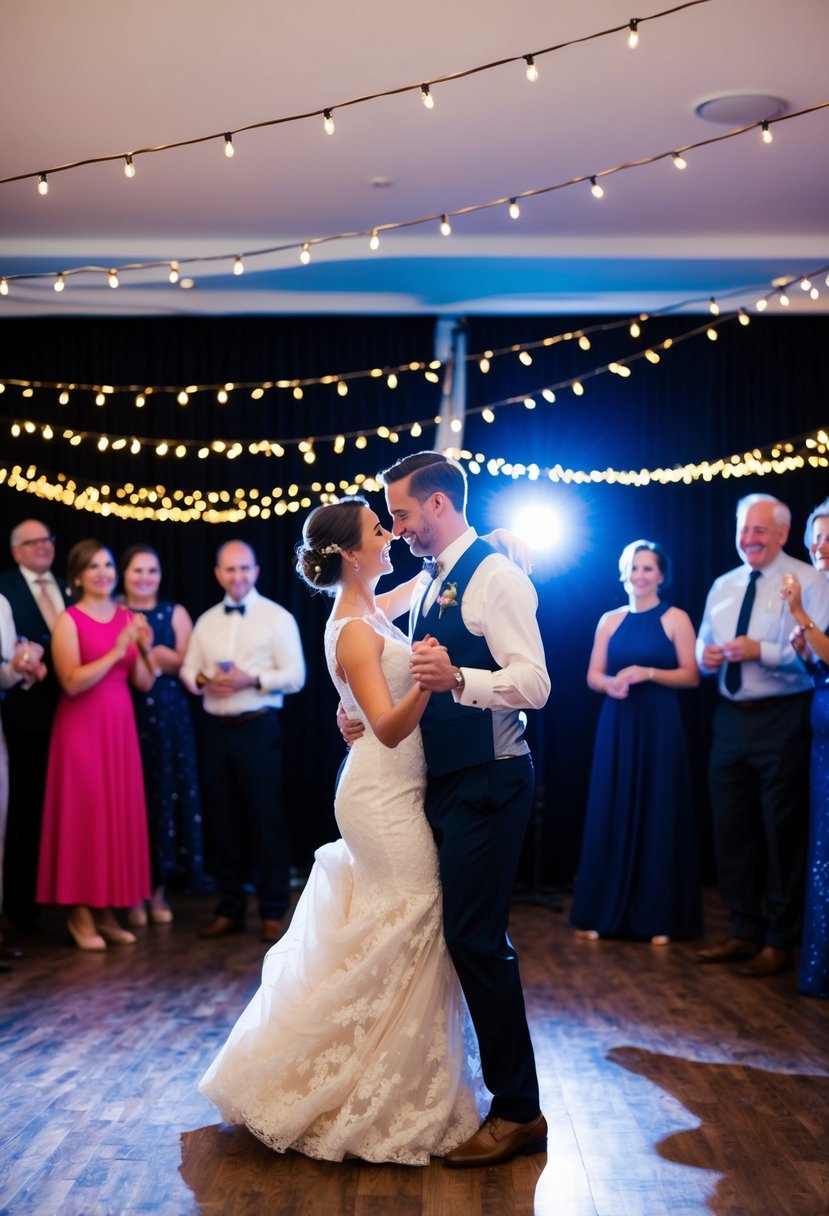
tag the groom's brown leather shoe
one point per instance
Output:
(770, 961)
(499, 1140)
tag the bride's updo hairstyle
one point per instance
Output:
(326, 532)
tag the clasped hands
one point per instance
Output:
(27, 662)
(740, 650)
(229, 679)
(431, 666)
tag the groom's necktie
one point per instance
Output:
(733, 672)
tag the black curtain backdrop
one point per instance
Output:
(704, 400)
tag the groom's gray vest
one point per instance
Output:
(461, 736)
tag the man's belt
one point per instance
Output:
(239, 719)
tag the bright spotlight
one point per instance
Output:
(539, 527)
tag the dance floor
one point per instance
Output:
(670, 1089)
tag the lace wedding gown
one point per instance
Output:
(358, 1042)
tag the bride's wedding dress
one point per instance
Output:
(358, 1042)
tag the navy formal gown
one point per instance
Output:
(813, 978)
(638, 876)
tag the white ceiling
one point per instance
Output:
(91, 78)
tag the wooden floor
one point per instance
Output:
(669, 1088)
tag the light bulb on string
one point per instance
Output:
(711, 334)
(327, 122)
(129, 166)
(426, 95)
(635, 330)
(532, 70)
(238, 265)
(713, 307)
(391, 380)
(784, 299)
(60, 282)
(42, 184)
(374, 240)
(761, 305)
(633, 33)
(445, 226)
(173, 275)
(679, 161)
(765, 132)
(805, 284)
(112, 278)
(305, 254)
(595, 189)
(514, 209)
(743, 317)
(814, 294)
(4, 287)
(230, 151)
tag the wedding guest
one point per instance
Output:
(243, 658)
(759, 763)
(167, 740)
(24, 667)
(94, 852)
(36, 598)
(812, 644)
(637, 876)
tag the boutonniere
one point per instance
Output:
(448, 597)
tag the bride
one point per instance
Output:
(358, 1043)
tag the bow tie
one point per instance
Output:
(240, 608)
(431, 566)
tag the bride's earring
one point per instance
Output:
(356, 567)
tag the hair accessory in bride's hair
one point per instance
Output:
(329, 550)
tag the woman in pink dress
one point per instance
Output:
(94, 851)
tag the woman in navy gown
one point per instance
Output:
(167, 740)
(637, 876)
(810, 641)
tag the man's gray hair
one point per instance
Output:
(781, 513)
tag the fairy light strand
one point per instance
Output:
(321, 112)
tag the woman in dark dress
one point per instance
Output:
(637, 876)
(167, 740)
(811, 643)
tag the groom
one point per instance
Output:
(488, 668)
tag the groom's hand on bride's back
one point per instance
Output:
(350, 728)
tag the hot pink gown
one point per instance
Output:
(94, 847)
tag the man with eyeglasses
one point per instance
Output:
(36, 598)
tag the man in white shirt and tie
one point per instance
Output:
(759, 763)
(243, 657)
(36, 598)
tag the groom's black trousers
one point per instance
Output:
(479, 817)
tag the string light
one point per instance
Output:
(173, 275)
(635, 329)
(761, 305)
(765, 132)
(60, 283)
(374, 240)
(597, 190)
(426, 95)
(230, 151)
(305, 254)
(42, 184)
(112, 278)
(743, 317)
(711, 334)
(713, 307)
(532, 70)
(445, 226)
(514, 209)
(633, 35)
(238, 265)
(327, 122)
(129, 167)
(679, 161)
(784, 299)
(4, 287)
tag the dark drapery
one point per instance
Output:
(704, 400)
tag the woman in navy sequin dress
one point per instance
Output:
(810, 640)
(637, 876)
(167, 740)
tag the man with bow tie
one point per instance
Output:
(244, 656)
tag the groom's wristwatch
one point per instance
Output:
(460, 682)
